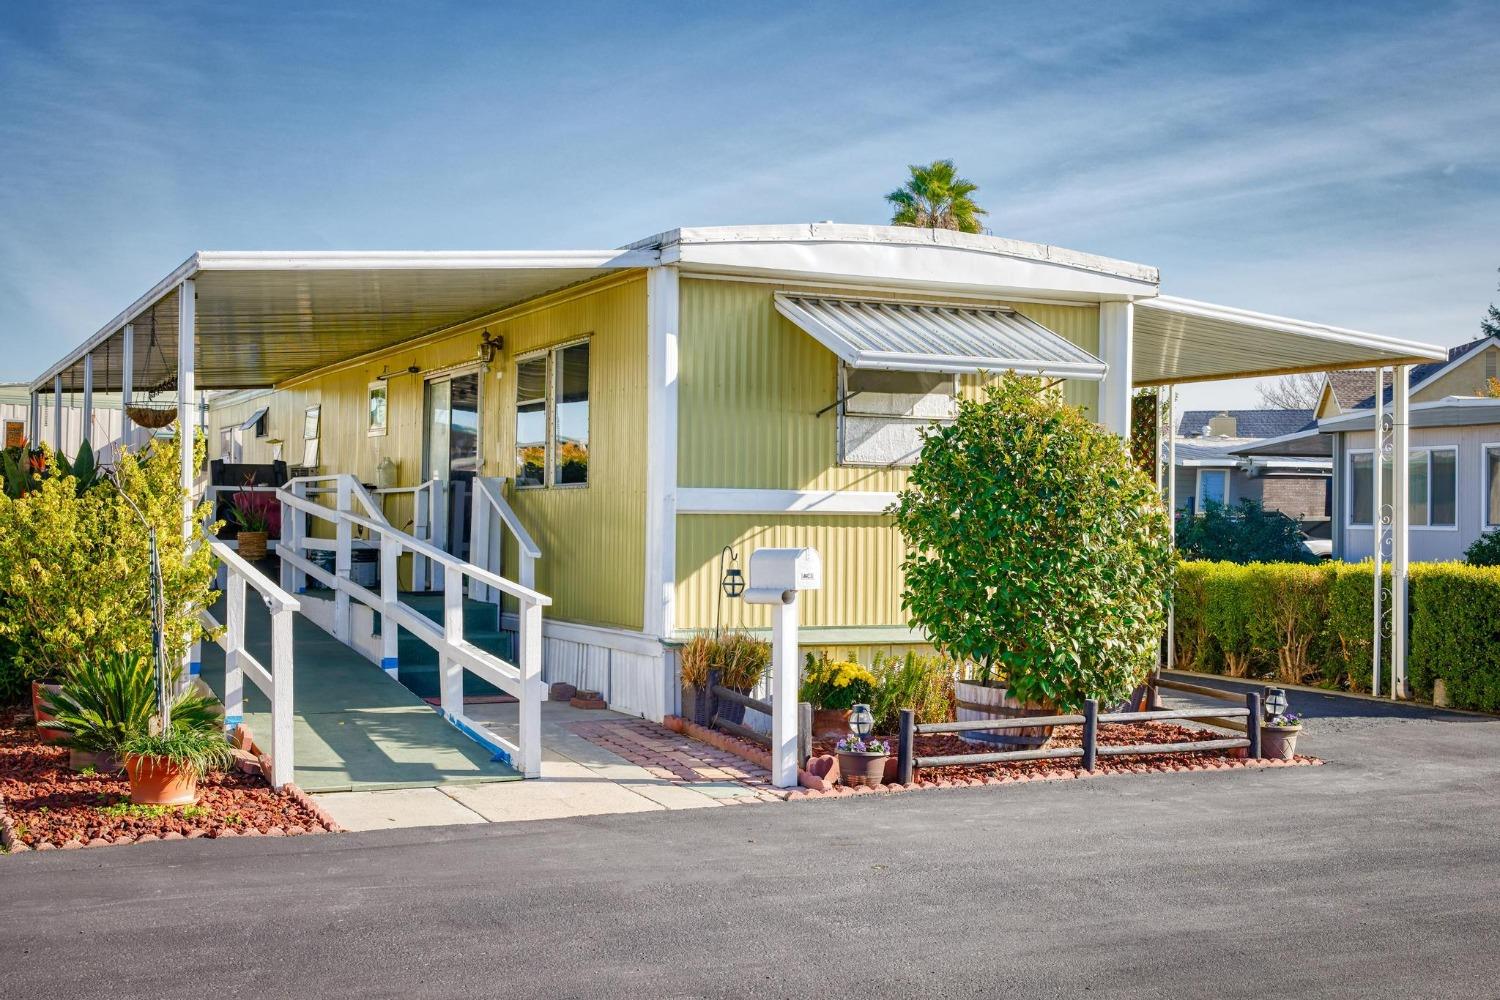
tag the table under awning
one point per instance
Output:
(903, 336)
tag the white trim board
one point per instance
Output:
(710, 500)
(622, 640)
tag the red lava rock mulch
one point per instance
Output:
(46, 805)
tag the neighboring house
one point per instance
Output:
(15, 420)
(1218, 460)
(1454, 453)
(641, 410)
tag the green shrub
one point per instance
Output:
(104, 701)
(1229, 607)
(1350, 626)
(1455, 633)
(1244, 532)
(922, 683)
(1287, 624)
(74, 569)
(1038, 552)
(1485, 550)
(1194, 647)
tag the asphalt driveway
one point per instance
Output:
(1373, 876)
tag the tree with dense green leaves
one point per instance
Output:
(1243, 532)
(74, 568)
(1489, 323)
(1484, 550)
(1039, 553)
(936, 198)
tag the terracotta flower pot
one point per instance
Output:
(1278, 742)
(157, 781)
(39, 693)
(252, 545)
(862, 768)
(830, 723)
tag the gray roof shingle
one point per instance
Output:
(1250, 423)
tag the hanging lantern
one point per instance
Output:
(732, 581)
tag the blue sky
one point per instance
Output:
(1335, 163)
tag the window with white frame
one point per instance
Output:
(1492, 486)
(882, 413)
(1213, 487)
(552, 417)
(1432, 487)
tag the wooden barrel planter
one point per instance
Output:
(978, 700)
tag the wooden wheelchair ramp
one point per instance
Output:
(354, 727)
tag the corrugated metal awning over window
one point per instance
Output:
(254, 418)
(908, 336)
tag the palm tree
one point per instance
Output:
(936, 198)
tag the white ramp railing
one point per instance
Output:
(429, 512)
(275, 683)
(491, 513)
(522, 679)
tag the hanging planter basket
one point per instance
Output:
(151, 415)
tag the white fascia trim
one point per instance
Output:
(159, 291)
(1284, 324)
(1352, 419)
(1454, 364)
(711, 500)
(1310, 432)
(1209, 463)
(419, 260)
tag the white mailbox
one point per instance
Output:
(776, 577)
(777, 574)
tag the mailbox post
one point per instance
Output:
(776, 577)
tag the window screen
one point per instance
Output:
(885, 412)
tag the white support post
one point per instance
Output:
(1116, 336)
(479, 540)
(529, 662)
(127, 384)
(282, 761)
(1171, 477)
(438, 515)
(57, 414)
(451, 672)
(86, 432)
(390, 556)
(663, 317)
(1377, 532)
(1400, 525)
(421, 527)
(343, 558)
(34, 421)
(784, 676)
(187, 307)
(234, 629)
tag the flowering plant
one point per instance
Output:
(853, 744)
(1286, 720)
(836, 685)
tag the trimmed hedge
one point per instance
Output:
(1312, 624)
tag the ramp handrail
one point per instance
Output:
(275, 683)
(522, 679)
(485, 549)
(428, 517)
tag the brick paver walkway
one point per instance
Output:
(682, 760)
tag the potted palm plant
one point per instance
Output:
(101, 702)
(164, 767)
(252, 523)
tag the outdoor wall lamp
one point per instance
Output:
(1274, 700)
(489, 346)
(862, 721)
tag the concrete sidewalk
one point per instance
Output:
(580, 777)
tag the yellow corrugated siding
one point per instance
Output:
(592, 542)
(752, 384)
(861, 567)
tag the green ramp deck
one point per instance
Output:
(354, 727)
